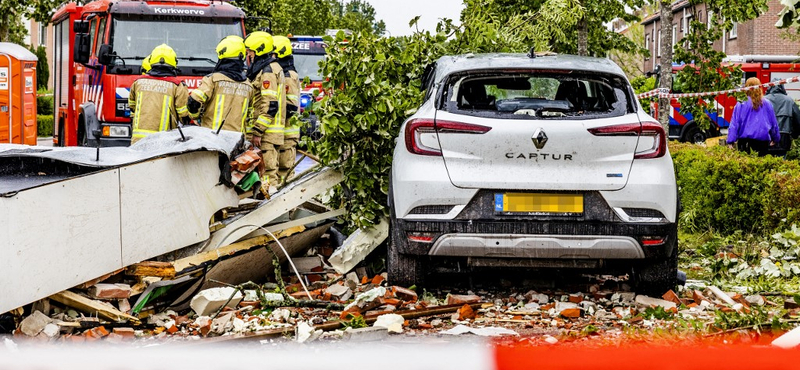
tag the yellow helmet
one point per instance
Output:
(146, 64)
(259, 42)
(163, 54)
(231, 47)
(283, 46)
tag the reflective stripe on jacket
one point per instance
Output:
(292, 126)
(269, 107)
(156, 105)
(223, 100)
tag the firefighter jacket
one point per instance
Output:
(156, 104)
(220, 99)
(292, 127)
(269, 107)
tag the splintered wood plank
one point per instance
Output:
(151, 268)
(92, 307)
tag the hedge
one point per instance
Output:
(44, 124)
(44, 105)
(724, 190)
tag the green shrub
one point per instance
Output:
(44, 105)
(724, 190)
(42, 69)
(44, 124)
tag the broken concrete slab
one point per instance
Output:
(358, 245)
(721, 295)
(790, 339)
(34, 324)
(209, 301)
(306, 333)
(340, 292)
(484, 332)
(368, 334)
(392, 322)
(646, 301)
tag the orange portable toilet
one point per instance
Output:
(17, 94)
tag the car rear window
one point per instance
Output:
(537, 95)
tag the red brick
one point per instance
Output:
(576, 298)
(462, 299)
(124, 332)
(377, 280)
(466, 312)
(405, 294)
(571, 312)
(672, 297)
(110, 291)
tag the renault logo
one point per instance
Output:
(539, 138)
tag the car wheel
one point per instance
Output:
(404, 270)
(656, 277)
(695, 135)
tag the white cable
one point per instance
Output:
(288, 258)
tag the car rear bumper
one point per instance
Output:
(537, 246)
(533, 239)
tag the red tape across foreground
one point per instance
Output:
(646, 357)
(664, 93)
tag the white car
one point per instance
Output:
(536, 162)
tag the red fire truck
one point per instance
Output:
(99, 49)
(766, 67)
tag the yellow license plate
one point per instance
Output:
(539, 203)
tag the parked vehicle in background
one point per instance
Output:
(308, 51)
(532, 162)
(682, 125)
(99, 49)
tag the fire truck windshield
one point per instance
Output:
(308, 65)
(193, 42)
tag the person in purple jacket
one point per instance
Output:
(754, 126)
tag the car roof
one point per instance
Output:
(447, 65)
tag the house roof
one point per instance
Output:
(676, 7)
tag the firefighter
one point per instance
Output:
(223, 98)
(158, 99)
(266, 76)
(291, 133)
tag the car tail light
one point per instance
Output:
(420, 238)
(652, 240)
(415, 128)
(651, 129)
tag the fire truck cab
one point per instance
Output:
(767, 68)
(98, 52)
(308, 51)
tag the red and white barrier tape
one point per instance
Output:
(663, 93)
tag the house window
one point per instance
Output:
(42, 34)
(687, 22)
(674, 34)
(733, 32)
(710, 19)
(647, 45)
(657, 44)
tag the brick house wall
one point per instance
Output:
(755, 37)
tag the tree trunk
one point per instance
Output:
(665, 79)
(4, 27)
(583, 37)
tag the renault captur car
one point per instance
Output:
(537, 162)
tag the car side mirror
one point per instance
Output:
(83, 48)
(80, 26)
(105, 55)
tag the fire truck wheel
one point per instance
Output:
(694, 135)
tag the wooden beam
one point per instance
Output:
(151, 268)
(93, 307)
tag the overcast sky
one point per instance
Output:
(397, 13)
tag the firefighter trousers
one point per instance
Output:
(286, 157)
